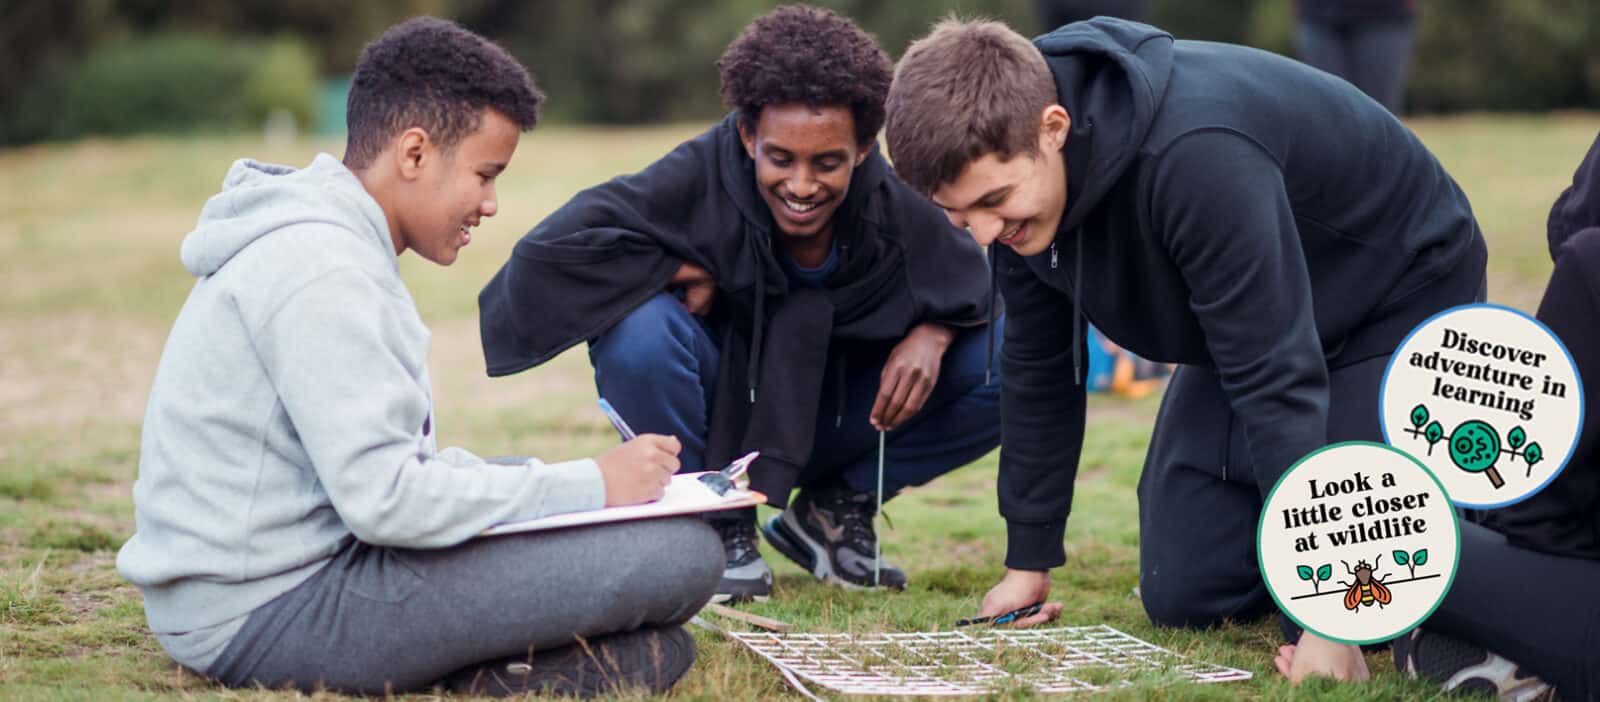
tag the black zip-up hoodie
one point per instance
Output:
(1228, 208)
(613, 246)
(1564, 517)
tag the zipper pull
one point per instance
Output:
(1054, 258)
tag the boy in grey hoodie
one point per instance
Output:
(296, 524)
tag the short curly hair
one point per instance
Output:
(805, 54)
(431, 73)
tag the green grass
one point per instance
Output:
(90, 282)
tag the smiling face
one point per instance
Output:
(448, 192)
(1017, 202)
(804, 158)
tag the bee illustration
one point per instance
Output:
(1366, 589)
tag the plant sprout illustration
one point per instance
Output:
(1367, 586)
(1412, 560)
(1433, 432)
(1322, 574)
(1475, 445)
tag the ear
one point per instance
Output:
(745, 137)
(862, 154)
(1054, 124)
(411, 151)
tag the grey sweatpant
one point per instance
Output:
(379, 619)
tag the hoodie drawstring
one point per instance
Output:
(1077, 311)
(840, 389)
(1077, 268)
(988, 358)
(760, 325)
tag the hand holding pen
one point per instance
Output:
(638, 470)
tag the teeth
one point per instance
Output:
(799, 206)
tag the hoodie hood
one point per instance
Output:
(1111, 75)
(260, 198)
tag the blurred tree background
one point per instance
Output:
(84, 67)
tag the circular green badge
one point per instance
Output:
(1358, 542)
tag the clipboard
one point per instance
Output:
(684, 495)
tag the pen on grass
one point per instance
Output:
(1006, 618)
(616, 420)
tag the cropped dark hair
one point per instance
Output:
(808, 55)
(431, 73)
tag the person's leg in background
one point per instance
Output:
(1380, 57)
(497, 615)
(1323, 46)
(828, 527)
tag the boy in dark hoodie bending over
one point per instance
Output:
(771, 285)
(1261, 223)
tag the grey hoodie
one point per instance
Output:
(291, 412)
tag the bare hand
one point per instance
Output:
(698, 288)
(1318, 656)
(1018, 589)
(639, 470)
(909, 375)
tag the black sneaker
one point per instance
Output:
(745, 577)
(830, 534)
(1458, 665)
(649, 659)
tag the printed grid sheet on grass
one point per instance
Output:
(1066, 659)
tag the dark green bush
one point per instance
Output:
(168, 83)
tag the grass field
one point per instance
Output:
(91, 281)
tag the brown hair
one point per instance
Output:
(967, 89)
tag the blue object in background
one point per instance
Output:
(332, 94)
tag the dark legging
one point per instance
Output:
(1538, 610)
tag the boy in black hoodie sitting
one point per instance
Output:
(1260, 222)
(770, 285)
(1521, 616)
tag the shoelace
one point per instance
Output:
(856, 520)
(738, 537)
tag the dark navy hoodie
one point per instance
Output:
(1227, 208)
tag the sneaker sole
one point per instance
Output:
(792, 542)
(727, 598)
(1459, 666)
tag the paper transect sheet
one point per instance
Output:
(684, 495)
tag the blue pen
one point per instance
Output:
(616, 420)
(1006, 618)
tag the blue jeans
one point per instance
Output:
(658, 367)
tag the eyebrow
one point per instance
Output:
(997, 192)
(836, 153)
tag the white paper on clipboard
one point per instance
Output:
(684, 495)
